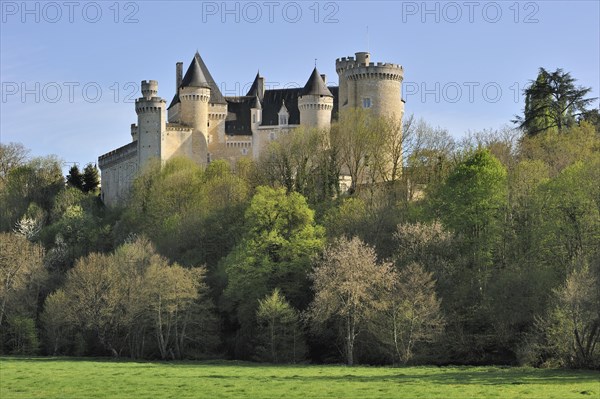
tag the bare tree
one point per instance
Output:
(350, 288)
(413, 315)
(12, 155)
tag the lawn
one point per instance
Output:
(97, 378)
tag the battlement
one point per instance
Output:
(149, 88)
(152, 104)
(344, 59)
(362, 59)
(120, 154)
(380, 71)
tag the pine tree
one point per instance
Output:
(91, 178)
(75, 178)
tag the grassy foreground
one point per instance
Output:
(68, 378)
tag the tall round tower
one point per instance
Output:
(365, 84)
(315, 102)
(377, 86)
(194, 95)
(151, 112)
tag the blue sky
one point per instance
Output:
(71, 70)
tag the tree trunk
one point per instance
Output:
(349, 341)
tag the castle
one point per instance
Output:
(202, 124)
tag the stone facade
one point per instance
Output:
(203, 125)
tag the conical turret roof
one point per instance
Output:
(316, 85)
(194, 77)
(197, 75)
(254, 88)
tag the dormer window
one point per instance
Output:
(283, 115)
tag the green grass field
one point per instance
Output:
(68, 378)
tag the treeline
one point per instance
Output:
(484, 250)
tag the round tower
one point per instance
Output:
(376, 86)
(341, 64)
(151, 112)
(315, 102)
(194, 113)
(194, 95)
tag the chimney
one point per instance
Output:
(324, 77)
(178, 75)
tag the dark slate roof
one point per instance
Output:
(254, 88)
(198, 75)
(238, 121)
(174, 101)
(315, 85)
(274, 99)
(194, 76)
(272, 102)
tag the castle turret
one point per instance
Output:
(315, 102)
(255, 113)
(194, 95)
(151, 111)
(377, 86)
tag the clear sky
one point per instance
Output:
(70, 70)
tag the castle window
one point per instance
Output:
(272, 136)
(254, 118)
(366, 102)
(283, 119)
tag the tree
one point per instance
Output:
(37, 181)
(279, 337)
(22, 336)
(21, 276)
(413, 316)
(75, 178)
(129, 299)
(427, 155)
(280, 242)
(350, 287)
(355, 138)
(471, 202)
(553, 101)
(301, 161)
(573, 326)
(12, 155)
(173, 292)
(91, 178)
(193, 216)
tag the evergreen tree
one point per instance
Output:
(75, 178)
(553, 101)
(91, 178)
